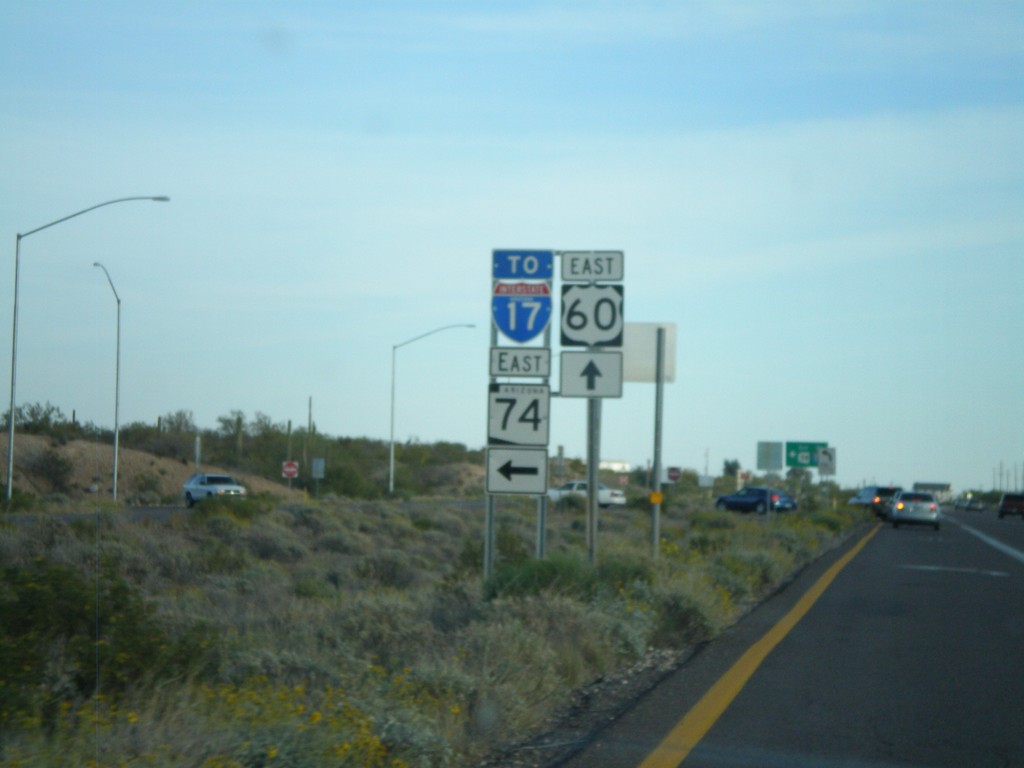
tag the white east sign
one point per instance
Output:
(521, 361)
(592, 266)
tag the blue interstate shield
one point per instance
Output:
(521, 310)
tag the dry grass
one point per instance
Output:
(342, 633)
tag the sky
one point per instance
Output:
(825, 199)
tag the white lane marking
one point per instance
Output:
(1006, 549)
(954, 570)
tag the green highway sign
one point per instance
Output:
(803, 454)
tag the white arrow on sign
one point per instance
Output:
(517, 471)
(591, 374)
(592, 315)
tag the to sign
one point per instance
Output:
(289, 469)
(521, 310)
(523, 265)
(517, 470)
(590, 266)
(592, 315)
(591, 374)
(517, 414)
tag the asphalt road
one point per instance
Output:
(913, 655)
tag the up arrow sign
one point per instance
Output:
(591, 374)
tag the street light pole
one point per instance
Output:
(117, 374)
(11, 416)
(391, 462)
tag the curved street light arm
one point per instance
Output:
(430, 333)
(394, 348)
(158, 199)
(11, 416)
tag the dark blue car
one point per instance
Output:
(753, 499)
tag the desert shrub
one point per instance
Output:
(681, 619)
(792, 542)
(48, 621)
(707, 542)
(216, 556)
(471, 557)
(273, 543)
(746, 572)
(566, 574)
(243, 508)
(830, 521)
(147, 483)
(386, 628)
(713, 521)
(21, 501)
(618, 571)
(453, 605)
(54, 469)
(388, 568)
(509, 545)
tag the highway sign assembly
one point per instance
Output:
(517, 414)
(521, 310)
(517, 471)
(521, 361)
(592, 315)
(591, 374)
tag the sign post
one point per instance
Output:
(592, 317)
(290, 470)
(517, 414)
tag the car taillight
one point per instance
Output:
(932, 507)
(878, 499)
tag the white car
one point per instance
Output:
(606, 497)
(203, 485)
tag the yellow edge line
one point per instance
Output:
(698, 721)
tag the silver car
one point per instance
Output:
(202, 485)
(606, 497)
(914, 507)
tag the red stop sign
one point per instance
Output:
(289, 469)
(674, 474)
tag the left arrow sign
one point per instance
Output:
(507, 469)
(517, 471)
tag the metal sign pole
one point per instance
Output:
(659, 391)
(593, 462)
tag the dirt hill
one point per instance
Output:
(142, 478)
